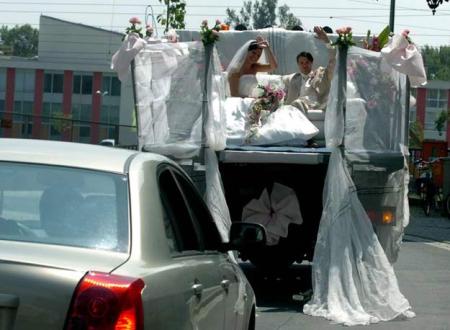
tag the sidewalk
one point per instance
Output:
(435, 227)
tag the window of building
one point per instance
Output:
(110, 114)
(2, 80)
(24, 81)
(111, 85)
(82, 83)
(437, 98)
(53, 83)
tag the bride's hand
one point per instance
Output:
(262, 42)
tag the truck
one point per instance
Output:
(182, 111)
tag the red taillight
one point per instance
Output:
(107, 302)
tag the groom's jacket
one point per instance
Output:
(310, 91)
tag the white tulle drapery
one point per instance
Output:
(179, 102)
(353, 278)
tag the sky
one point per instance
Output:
(361, 15)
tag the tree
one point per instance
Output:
(437, 62)
(262, 13)
(244, 17)
(287, 19)
(174, 14)
(20, 40)
(415, 135)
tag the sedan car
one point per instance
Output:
(94, 237)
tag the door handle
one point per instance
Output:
(198, 289)
(225, 284)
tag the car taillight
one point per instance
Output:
(106, 302)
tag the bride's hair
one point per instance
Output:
(253, 45)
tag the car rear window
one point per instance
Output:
(63, 206)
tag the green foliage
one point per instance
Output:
(383, 37)
(262, 13)
(174, 15)
(287, 19)
(437, 62)
(20, 40)
(415, 135)
(441, 121)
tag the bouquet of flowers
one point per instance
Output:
(268, 98)
(375, 43)
(210, 36)
(345, 37)
(134, 28)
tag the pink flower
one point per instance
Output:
(344, 30)
(135, 20)
(218, 22)
(405, 33)
(205, 23)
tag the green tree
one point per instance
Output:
(262, 13)
(415, 135)
(20, 40)
(437, 62)
(174, 15)
(244, 17)
(287, 19)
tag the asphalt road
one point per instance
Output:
(423, 271)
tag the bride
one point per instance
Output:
(286, 125)
(245, 64)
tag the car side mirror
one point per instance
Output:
(245, 235)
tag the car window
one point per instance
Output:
(180, 231)
(200, 213)
(63, 206)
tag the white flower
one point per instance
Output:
(172, 35)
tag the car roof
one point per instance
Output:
(67, 154)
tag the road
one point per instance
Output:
(423, 271)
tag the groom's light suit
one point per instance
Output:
(310, 91)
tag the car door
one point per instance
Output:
(232, 279)
(197, 268)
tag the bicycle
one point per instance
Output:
(431, 194)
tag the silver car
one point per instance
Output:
(94, 237)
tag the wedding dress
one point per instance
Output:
(285, 126)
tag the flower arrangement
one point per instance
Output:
(172, 36)
(375, 43)
(269, 97)
(345, 37)
(210, 36)
(134, 28)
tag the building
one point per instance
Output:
(431, 100)
(68, 92)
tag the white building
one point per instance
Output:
(68, 92)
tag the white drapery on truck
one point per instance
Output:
(181, 93)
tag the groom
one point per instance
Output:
(308, 89)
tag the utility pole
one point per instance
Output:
(391, 16)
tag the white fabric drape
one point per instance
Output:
(274, 212)
(353, 278)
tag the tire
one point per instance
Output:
(426, 207)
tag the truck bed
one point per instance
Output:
(274, 155)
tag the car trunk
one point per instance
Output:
(37, 281)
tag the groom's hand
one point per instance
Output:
(321, 34)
